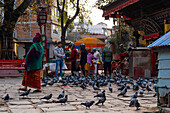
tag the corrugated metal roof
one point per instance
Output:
(162, 41)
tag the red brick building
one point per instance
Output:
(27, 27)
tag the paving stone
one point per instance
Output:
(20, 103)
(75, 103)
(50, 105)
(25, 111)
(69, 112)
(3, 109)
(36, 101)
(21, 106)
(59, 108)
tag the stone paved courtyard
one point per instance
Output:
(76, 95)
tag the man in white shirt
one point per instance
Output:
(96, 54)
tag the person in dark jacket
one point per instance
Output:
(107, 57)
(72, 58)
(83, 58)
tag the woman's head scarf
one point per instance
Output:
(37, 38)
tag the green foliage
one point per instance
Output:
(73, 37)
(99, 3)
(121, 43)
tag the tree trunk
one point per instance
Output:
(63, 38)
(7, 45)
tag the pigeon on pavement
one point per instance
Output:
(148, 88)
(132, 102)
(61, 95)
(110, 88)
(63, 100)
(141, 92)
(44, 84)
(51, 83)
(88, 104)
(102, 94)
(135, 95)
(96, 88)
(123, 92)
(137, 104)
(48, 97)
(101, 100)
(25, 93)
(6, 97)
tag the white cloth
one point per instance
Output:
(95, 70)
(53, 66)
(97, 54)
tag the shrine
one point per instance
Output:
(149, 18)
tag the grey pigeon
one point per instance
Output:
(137, 104)
(47, 97)
(25, 93)
(83, 86)
(141, 92)
(63, 100)
(135, 87)
(61, 95)
(88, 104)
(65, 83)
(101, 100)
(148, 88)
(51, 83)
(123, 92)
(6, 97)
(132, 102)
(95, 88)
(155, 95)
(150, 84)
(122, 87)
(44, 85)
(110, 88)
(102, 94)
(135, 95)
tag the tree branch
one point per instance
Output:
(75, 15)
(58, 6)
(63, 6)
(20, 9)
(8, 5)
(62, 15)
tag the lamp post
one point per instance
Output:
(42, 20)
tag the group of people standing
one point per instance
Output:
(87, 59)
(33, 62)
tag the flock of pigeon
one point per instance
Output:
(123, 82)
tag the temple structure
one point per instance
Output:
(149, 18)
